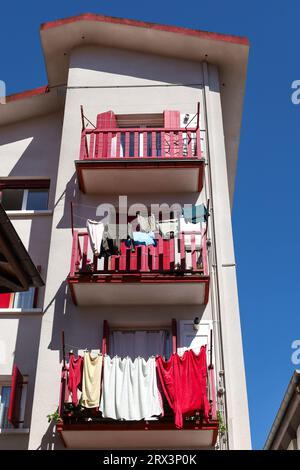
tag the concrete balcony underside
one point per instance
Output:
(133, 175)
(140, 289)
(139, 435)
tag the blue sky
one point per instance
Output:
(266, 208)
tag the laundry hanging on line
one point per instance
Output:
(195, 213)
(184, 382)
(130, 390)
(91, 380)
(75, 377)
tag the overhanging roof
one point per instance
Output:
(285, 413)
(229, 53)
(17, 271)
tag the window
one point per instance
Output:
(25, 300)
(5, 391)
(24, 195)
(13, 394)
(142, 342)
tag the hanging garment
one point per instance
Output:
(168, 228)
(139, 343)
(195, 214)
(130, 389)
(141, 238)
(110, 241)
(75, 376)
(147, 224)
(184, 382)
(95, 231)
(91, 381)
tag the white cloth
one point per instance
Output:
(138, 343)
(168, 226)
(95, 231)
(147, 224)
(130, 389)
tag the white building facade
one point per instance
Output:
(135, 115)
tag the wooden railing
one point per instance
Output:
(185, 254)
(138, 142)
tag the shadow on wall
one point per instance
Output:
(138, 65)
(37, 142)
(26, 356)
(50, 440)
(84, 328)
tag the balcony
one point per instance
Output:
(173, 272)
(140, 160)
(82, 428)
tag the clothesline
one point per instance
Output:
(137, 381)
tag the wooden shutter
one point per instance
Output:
(14, 409)
(105, 338)
(6, 300)
(171, 144)
(105, 121)
(171, 119)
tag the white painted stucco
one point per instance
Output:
(134, 75)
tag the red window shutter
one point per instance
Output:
(14, 408)
(171, 119)
(105, 338)
(6, 300)
(174, 335)
(106, 120)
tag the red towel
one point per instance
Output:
(184, 382)
(75, 376)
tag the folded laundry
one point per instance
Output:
(130, 389)
(184, 382)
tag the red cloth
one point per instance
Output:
(75, 376)
(184, 381)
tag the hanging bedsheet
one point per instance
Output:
(130, 389)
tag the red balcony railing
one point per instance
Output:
(185, 254)
(70, 415)
(135, 143)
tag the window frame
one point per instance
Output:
(42, 184)
(7, 382)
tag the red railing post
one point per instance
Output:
(83, 147)
(74, 254)
(204, 254)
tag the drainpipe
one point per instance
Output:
(215, 291)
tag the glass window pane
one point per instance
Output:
(24, 299)
(4, 404)
(12, 199)
(37, 200)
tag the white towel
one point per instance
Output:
(91, 382)
(129, 389)
(95, 231)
